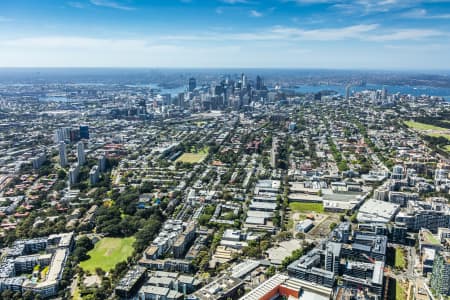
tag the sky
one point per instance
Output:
(343, 34)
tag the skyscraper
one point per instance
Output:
(259, 83)
(80, 154)
(347, 92)
(62, 154)
(244, 81)
(192, 84)
(384, 93)
(84, 132)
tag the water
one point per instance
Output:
(392, 89)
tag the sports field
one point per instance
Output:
(107, 253)
(193, 157)
(306, 207)
(422, 126)
(429, 130)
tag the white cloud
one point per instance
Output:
(74, 42)
(60, 51)
(326, 34)
(406, 34)
(362, 32)
(235, 1)
(76, 4)
(78, 51)
(422, 47)
(111, 4)
(255, 13)
(282, 33)
(423, 14)
(5, 19)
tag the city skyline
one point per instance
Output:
(389, 34)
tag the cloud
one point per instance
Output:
(361, 7)
(235, 1)
(282, 33)
(422, 47)
(423, 14)
(326, 34)
(5, 19)
(111, 4)
(406, 34)
(74, 42)
(64, 51)
(361, 32)
(256, 14)
(76, 4)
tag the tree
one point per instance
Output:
(62, 174)
(85, 242)
(300, 235)
(270, 271)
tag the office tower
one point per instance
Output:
(244, 81)
(102, 163)
(62, 154)
(384, 93)
(192, 84)
(180, 100)
(259, 83)
(347, 92)
(142, 106)
(74, 134)
(84, 132)
(80, 154)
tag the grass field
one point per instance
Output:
(429, 130)
(422, 126)
(447, 136)
(400, 262)
(447, 148)
(400, 293)
(194, 157)
(107, 253)
(306, 207)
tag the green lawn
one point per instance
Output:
(400, 293)
(422, 126)
(447, 136)
(107, 253)
(306, 207)
(400, 262)
(195, 156)
(447, 148)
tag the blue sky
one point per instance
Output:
(345, 34)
